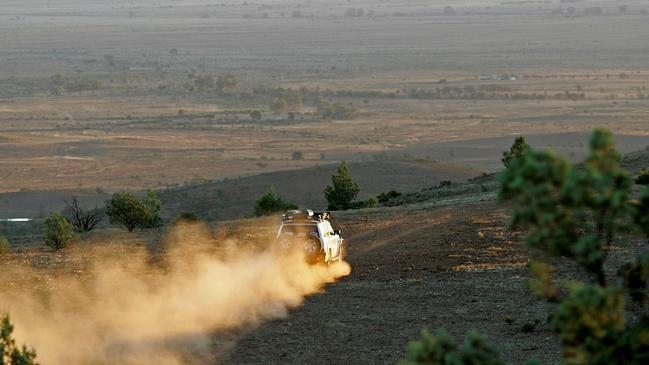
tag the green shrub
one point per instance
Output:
(643, 178)
(341, 195)
(10, 353)
(578, 213)
(385, 197)
(57, 232)
(188, 217)
(271, 203)
(441, 349)
(127, 211)
(4, 245)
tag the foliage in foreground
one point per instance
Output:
(129, 212)
(57, 232)
(271, 203)
(441, 349)
(10, 353)
(578, 213)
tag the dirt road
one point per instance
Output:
(448, 267)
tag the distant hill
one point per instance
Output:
(236, 198)
(486, 153)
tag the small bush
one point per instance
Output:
(643, 178)
(529, 327)
(4, 245)
(297, 155)
(445, 183)
(127, 211)
(188, 218)
(57, 232)
(10, 353)
(385, 197)
(271, 203)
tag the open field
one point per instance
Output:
(113, 96)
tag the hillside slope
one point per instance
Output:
(236, 198)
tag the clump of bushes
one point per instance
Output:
(130, 212)
(336, 110)
(387, 196)
(271, 203)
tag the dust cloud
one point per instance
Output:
(131, 312)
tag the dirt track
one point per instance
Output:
(453, 268)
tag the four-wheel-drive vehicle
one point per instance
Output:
(313, 234)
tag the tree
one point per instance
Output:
(519, 147)
(271, 203)
(341, 194)
(81, 219)
(57, 232)
(578, 212)
(278, 105)
(127, 211)
(10, 353)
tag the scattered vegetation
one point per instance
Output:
(57, 232)
(341, 194)
(10, 353)
(271, 203)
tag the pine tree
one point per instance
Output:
(341, 195)
(517, 150)
(10, 353)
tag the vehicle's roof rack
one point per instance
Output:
(305, 216)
